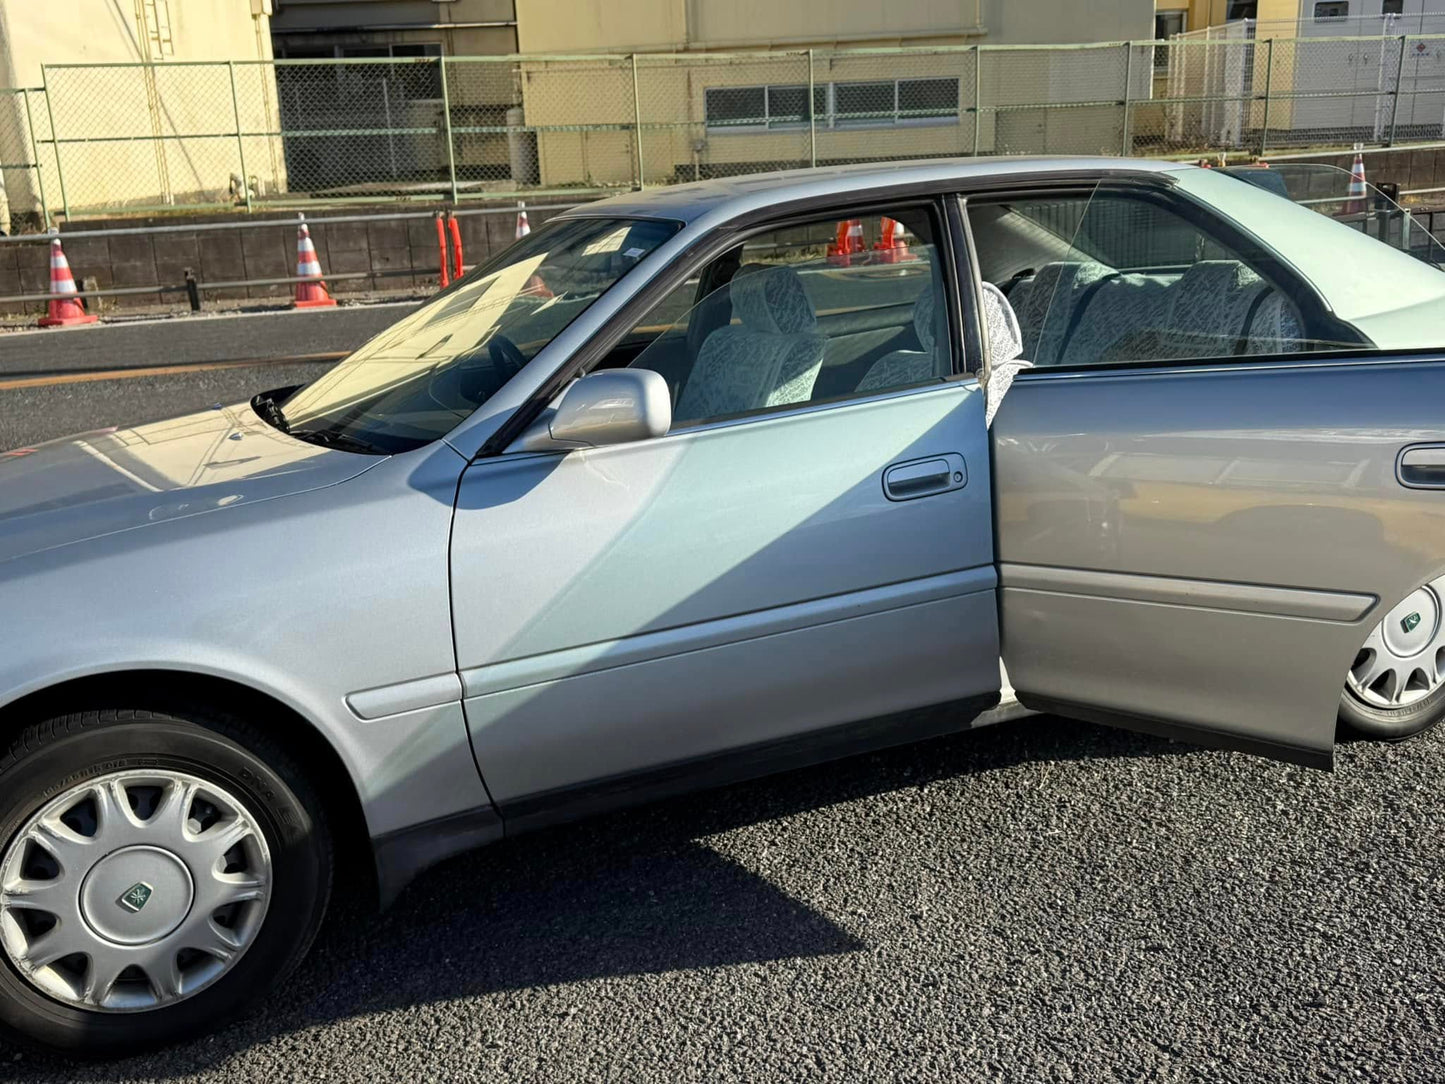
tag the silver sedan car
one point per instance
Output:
(697, 484)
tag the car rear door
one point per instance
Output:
(791, 560)
(1199, 518)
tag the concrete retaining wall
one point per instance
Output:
(407, 246)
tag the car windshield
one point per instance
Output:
(415, 381)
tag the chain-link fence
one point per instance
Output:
(100, 139)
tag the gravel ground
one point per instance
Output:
(1043, 901)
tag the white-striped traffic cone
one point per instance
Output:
(523, 228)
(1355, 201)
(313, 294)
(64, 307)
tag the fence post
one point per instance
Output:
(812, 117)
(447, 127)
(1268, 83)
(39, 165)
(977, 97)
(1128, 148)
(1399, 79)
(54, 139)
(637, 126)
(240, 143)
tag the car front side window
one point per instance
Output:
(814, 312)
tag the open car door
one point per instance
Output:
(1200, 524)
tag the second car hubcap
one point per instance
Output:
(133, 891)
(1403, 659)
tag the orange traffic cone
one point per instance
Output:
(523, 228)
(893, 248)
(1355, 202)
(313, 294)
(64, 307)
(847, 244)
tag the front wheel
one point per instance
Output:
(159, 875)
(1395, 688)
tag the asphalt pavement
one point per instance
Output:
(1040, 901)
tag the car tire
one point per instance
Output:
(1391, 724)
(209, 777)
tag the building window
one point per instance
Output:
(893, 103)
(1332, 9)
(737, 107)
(1241, 9)
(1169, 23)
(1392, 7)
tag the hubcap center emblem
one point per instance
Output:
(136, 897)
(1410, 621)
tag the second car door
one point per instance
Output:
(1198, 511)
(810, 546)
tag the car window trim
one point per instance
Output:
(707, 249)
(712, 243)
(1260, 257)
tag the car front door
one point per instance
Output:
(1199, 515)
(810, 546)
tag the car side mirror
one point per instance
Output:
(615, 406)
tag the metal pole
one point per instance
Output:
(637, 126)
(1268, 82)
(39, 165)
(1128, 148)
(1399, 79)
(447, 127)
(977, 96)
(240, 143)
(54, 139)
(812, 116)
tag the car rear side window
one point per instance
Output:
(1114, 276)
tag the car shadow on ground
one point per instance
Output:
(628, 893)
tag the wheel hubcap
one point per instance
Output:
(133, 891)
(1403, 659)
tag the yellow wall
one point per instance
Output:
(105, 103)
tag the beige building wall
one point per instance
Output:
(625, 26)
(677, 143)
(166, 99)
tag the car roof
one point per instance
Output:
(736, 195)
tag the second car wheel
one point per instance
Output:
(1395, 688)
(159, 874)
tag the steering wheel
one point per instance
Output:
(508, 360)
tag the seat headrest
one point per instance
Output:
(923, 314)
(1001, 325)
(772, 299)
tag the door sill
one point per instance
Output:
(756, 761)
(1182, 732)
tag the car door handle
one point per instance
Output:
(924, 477)
(1422, 466)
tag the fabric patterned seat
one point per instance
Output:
(1045, 303)
(1083, 314)
(770, 358)
(908, 366)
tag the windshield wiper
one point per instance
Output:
(342, 442)
(270, 412)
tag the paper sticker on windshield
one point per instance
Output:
(610, 243)
(634, 253)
